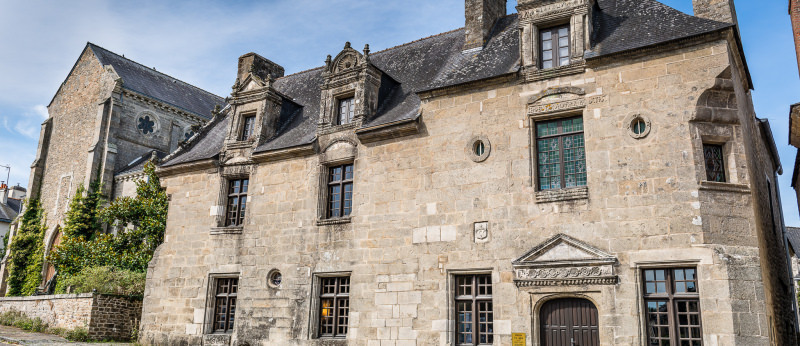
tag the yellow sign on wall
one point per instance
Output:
(518, 339)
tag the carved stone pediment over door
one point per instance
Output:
(564, 261)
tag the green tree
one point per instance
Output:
(83, 216)
(27, 252)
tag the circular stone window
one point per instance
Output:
(274, 279)
(638, 126)
(147, 123)
(478, 148)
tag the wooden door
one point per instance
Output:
(569, 322)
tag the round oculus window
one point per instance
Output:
(146, 124)
(478, 148)
(638, 126)
(275, 279)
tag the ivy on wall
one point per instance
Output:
(27, 252)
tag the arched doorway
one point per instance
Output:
(51, 270)
(569, 322)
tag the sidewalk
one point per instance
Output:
(16, 336)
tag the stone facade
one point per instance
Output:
(426, 210)
(102, 109)
(105, 317)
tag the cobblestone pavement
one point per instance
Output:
(16, 336)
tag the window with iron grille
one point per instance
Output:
(237, 202)
(225, 304)
(340, 191)
(554, 43)
(334, 306)
(474, 314)
(673, 307)
(561, 153)
(347, 109)
(247, 127)
(715, 162)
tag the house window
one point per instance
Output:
(247, 127)
(340, 191)
(334, 306)
(237, 202)
(673, 307)
(715, 162)
(346, 110)
(561, 154)
(474, 316)
(555, 47)
(225, 304)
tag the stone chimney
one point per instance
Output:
(260, 66)
(481, 17)
(3, 193)
(719, 10)
(794, 13)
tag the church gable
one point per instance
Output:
(563, 260)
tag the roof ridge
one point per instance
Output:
(301, 72)
(156, 71)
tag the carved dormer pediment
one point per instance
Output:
(563, 260)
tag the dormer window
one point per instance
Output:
(346, 110)
(247, 127)
(555, 47)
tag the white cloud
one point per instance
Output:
(41, 111)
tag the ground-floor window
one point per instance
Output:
(672, 304)
(225, 304)
(334, 306)
(474, 312)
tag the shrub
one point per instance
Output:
(104, 279)
(79, 334)
(27, 252)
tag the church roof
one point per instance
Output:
(149, 82)
(9, 211)
(439, 61)
(793, 233)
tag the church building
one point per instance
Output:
(582, 172)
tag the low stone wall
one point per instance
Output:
(105, 316)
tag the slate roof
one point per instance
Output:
(9, 212)
(793, 233)
(137, 165)
(147, 81)
(438, 61)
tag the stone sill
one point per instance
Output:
(562, 195)
(240, 144)
(226, 230)
(335, 221)
(724, 187)
(534, 74)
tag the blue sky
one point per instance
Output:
(199, 42)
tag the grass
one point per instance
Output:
(18, 319)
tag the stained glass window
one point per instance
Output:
(334, 306)
(554, 47)
(673, 307)
(561, 153)
(474, 311)
(715, 162)
(146, 125)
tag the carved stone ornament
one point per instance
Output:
(564, 261)
(481, 232)
(565, 99)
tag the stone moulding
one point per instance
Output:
(336, 221)
(288, 153)
(562, 195)
(226, 230)
(389, 131)
(534, 74)
(724, 187)
(563, 260)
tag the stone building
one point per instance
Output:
(10, 205)
(109, 116)
(578, 173)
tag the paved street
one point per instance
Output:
(16, 336)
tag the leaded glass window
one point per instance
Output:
(555, 46)
(715, 162)
(561, 154)
(247, 127)
(237, 202)
(340, 191)
(225, 304)
(334, 306)
(474, 312)
(346, 110)
(673, 307)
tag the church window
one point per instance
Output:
(554, 43)
(715, 162)
(672, 307)
(346, 110)
(340, 190)
(247, 127)
(561, 154)
(334, 306)
(225, 304)
(474, 313)
(146, 125)
(237, 202)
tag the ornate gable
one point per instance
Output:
(563, 260)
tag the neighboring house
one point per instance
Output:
(10, 206)
(579, 173)
(108, 116)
